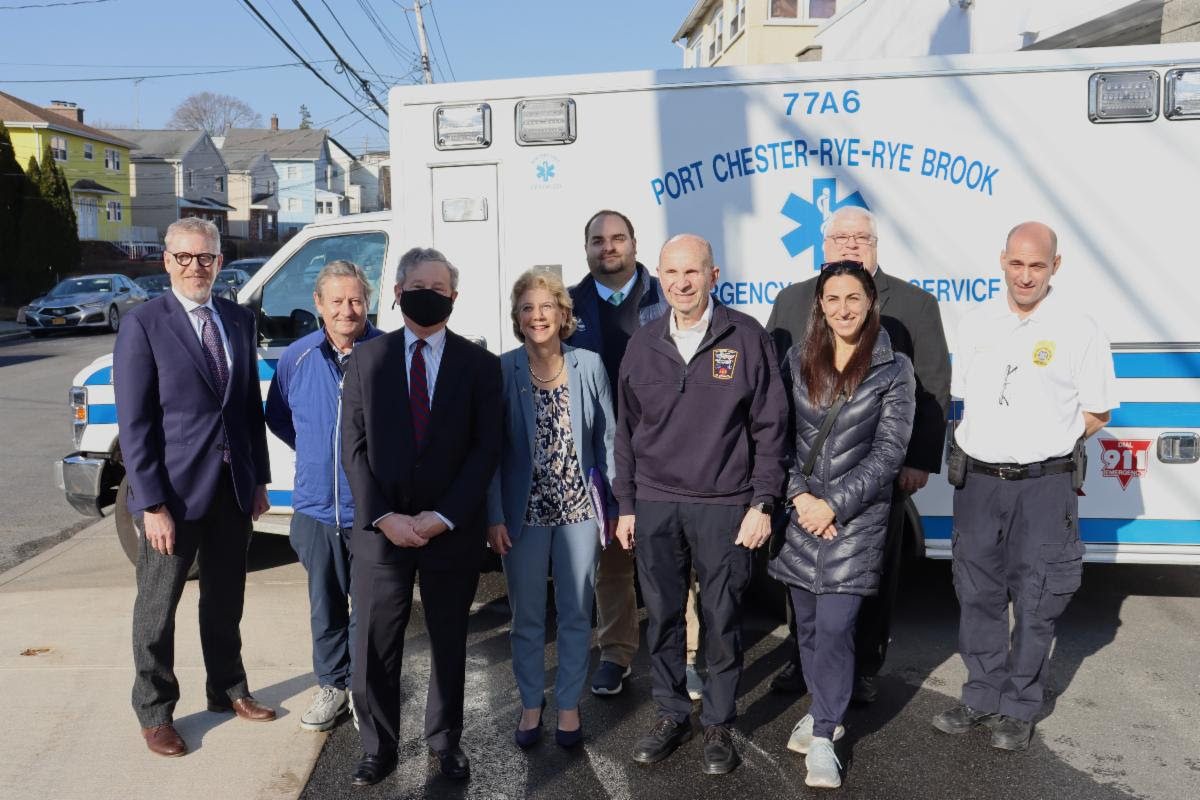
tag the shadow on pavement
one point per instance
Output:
(193, 727)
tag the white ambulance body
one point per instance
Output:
(948, 152)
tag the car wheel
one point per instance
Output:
(130, 531)
(114, 319)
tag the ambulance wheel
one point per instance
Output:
(129, 528)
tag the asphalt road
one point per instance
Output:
(35, 428)
(1120, 720)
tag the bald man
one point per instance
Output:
(1036, 378)
(701, 432)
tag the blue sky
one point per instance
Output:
(479, 39)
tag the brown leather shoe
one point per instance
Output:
(164, 740)
(246, 708)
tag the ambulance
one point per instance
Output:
(948, 152)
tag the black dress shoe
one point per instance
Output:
(661, 741)
(1012, 734)
(962, 718)
(372, 769)
(790, 680)
(719, 755)
(453, 762)
(865, 690)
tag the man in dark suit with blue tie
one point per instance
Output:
(194, 445)
(421, 431)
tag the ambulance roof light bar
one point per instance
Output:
(1181, 98)
(1123, 96)
(464, 127)
(546, 121)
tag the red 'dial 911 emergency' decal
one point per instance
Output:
(1124, 459)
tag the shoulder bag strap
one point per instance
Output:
(822, 435)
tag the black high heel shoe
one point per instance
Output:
(569, 739)
(528, 738)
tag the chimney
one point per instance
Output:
(66, 109)
(274, 122)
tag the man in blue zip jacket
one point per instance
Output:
(304, 407)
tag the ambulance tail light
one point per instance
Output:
(465, 127)
(79, 413)
(546, 121)
(1179, 448)
(1181, 97)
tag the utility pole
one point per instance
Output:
(424, 44)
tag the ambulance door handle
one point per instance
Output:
(1179, 447)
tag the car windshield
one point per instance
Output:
(81, 286)
(229, 277)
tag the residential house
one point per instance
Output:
(371, 172)
(353, 178)
(902, 28)
(177, 174)
(722, 33)
(94, 162)
(253, 191)
(307, 172)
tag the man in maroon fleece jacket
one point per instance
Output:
(700, 441)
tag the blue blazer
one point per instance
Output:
(172, 423)
(592, 428)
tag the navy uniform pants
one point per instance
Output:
(672, 539)
(1013, 541)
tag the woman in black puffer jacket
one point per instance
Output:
(833, 550)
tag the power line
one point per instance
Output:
(353, 43)
(311, 68)
(365, 85)
(389, 39)
(438, 29)
(55, 5)
(148, 77)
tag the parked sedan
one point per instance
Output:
(91, 301)
(154, 285)
(228, 282)
(247, 265)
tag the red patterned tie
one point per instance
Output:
(418, 393)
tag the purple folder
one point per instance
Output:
(599, 503)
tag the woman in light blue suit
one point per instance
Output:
(542, 512)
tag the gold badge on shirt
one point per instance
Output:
(1043, 353)
(724, 361)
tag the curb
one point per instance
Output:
(14, 335)
(71, 542)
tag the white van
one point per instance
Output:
(948, 152)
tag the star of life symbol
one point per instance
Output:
(809, 216)
(545, 171)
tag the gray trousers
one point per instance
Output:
(1013, 541)
(220, 539)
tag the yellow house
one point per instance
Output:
(95, 163)
(724, 33)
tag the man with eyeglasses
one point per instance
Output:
(911, 317)
(1036, 378)
(190, 415)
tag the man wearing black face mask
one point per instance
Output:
(421, 435)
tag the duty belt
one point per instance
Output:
(1019, 472)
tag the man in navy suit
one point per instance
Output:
(194, 445)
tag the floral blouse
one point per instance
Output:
(560, 495)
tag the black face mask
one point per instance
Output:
(425, 307)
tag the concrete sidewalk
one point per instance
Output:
(12, 330)
(70, 731)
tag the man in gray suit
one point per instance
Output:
(911, 317)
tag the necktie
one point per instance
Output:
(616, 297)
(214, 354)
(418, 393)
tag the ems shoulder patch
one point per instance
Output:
(724, 362)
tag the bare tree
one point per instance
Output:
(214, 113)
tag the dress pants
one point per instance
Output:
(1018, 541)
(220, 539)
(616, 606)
(672, 539)
(383, 581)
(825, 641)
(324, 550)
(570, 550)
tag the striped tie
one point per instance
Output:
(418, 393)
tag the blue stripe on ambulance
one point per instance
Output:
(1102, 530)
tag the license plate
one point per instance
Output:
(59, 321)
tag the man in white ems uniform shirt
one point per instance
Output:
(1035, 375)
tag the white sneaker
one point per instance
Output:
(695, 684)
(822, 765)
(328, 704)
(802, 734)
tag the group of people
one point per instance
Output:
(641, 428)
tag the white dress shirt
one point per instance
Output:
(1025, 383)
(688, 340)
(198, 324)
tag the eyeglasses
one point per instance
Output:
(846, 265)
(203, 259)
(842, 239)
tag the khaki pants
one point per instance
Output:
(616, 605)
(691, 616)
